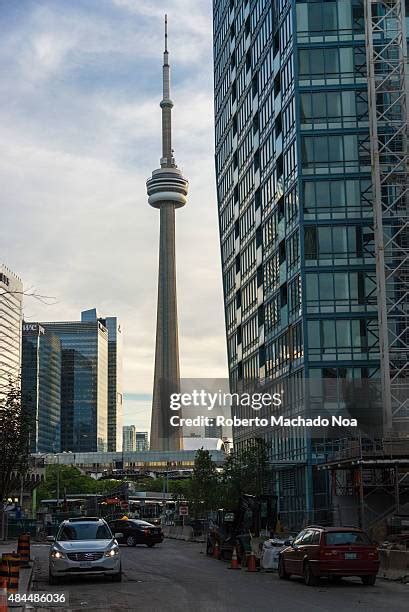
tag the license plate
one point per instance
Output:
(350, 555)
(85, 564)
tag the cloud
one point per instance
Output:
(80, 134)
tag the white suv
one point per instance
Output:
(84, 546)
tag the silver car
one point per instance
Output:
(84, 546)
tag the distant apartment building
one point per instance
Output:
(11, 317)
(115, 392)
(41, 387)
(128, 438)
(134, 440)
(84, 384)
(141, 441)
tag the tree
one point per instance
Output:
(203, 492)
(247, 471)
(71, 480)
(14, 439)
(180, 489)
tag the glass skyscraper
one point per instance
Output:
(41, 387)
(293, 169)
(84, 384)
(115, 393)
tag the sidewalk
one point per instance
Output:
(25, 572)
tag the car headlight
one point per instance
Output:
(56, 554)
(112, 552)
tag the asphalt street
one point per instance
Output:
(176, 576)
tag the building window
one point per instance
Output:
(333, 109)
(229, 278)
(278, 356)
(294, 296)
(293, 249)
(272, 314)
(232, 348)
(341, 292)
(270, 232)
(271, 273)
(332, 65)
(338, 244)
(247, 221)
(251, 369)
(228, 248)
(337, 199)
(248, 259)
(343, 339)
(250, 334)
(249, 296)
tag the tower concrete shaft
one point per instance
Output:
(166, 378)
(167, 190)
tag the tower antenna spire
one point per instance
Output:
(167, 160)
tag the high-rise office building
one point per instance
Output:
(41, 387)
(167, 191)
(129, 438)
(11, 317)
(115, 393)
(295, 200)
(84, 384)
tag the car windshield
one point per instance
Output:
(141, 523)
(339, 538)
(84, 531)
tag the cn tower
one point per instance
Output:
(167, 190)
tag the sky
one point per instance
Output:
(80, 134)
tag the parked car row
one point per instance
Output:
(90, 546)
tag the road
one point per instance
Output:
(176, 576)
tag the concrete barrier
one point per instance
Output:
(394, 564)
(187, 533)
(178, 532)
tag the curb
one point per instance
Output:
(24, 586)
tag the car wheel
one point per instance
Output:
(282, 574)
(52, 579)
(309, 578)
(130, 541)
(368, 580)
(151, 545)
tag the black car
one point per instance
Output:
(136, 532)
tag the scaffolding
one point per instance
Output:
(369, 481)
(386, 47)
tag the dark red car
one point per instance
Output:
(333, 552)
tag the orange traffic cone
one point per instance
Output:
(3, 595)
(234, 562)
(216, 550)
(251, 563)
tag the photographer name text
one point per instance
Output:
(272, 421)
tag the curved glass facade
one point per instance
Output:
(294, 191)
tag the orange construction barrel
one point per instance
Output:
(13, 562)
(3, 595)
(23, 548)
